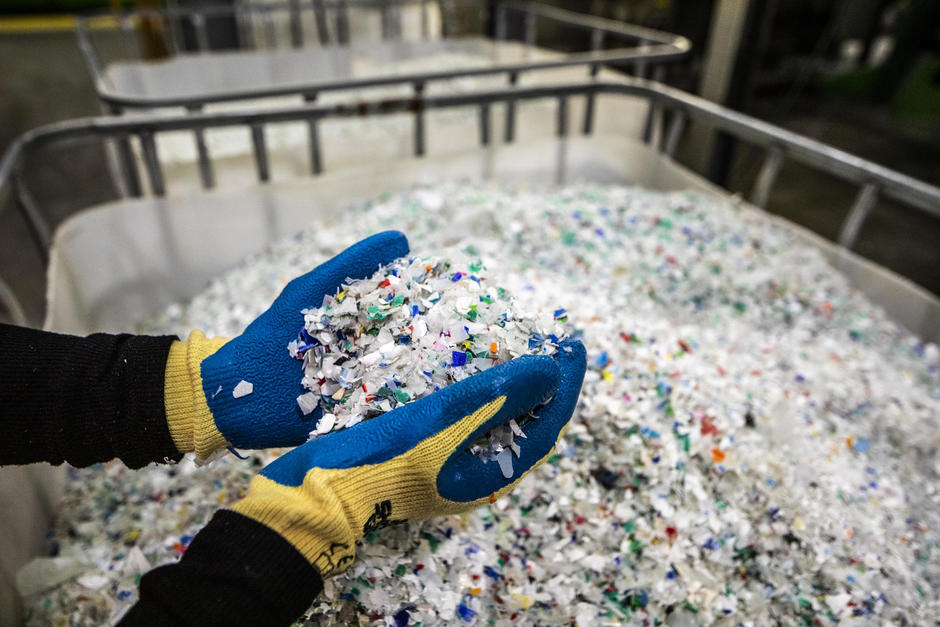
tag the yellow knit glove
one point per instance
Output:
(191, 424)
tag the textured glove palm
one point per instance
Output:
(201, 375)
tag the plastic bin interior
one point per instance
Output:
(116, 265)
(215, 76)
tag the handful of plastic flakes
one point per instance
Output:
(414, 327)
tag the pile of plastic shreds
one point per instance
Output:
(416, 326)
(755, 442)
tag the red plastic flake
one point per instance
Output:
(708, 427)
(671, 534)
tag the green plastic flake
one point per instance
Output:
(684, 439)
(401, 570)
(402, 396)
(687, 605)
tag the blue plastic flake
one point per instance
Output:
(862, 445)
(457, 276)
(123, 594)
(414, 310)
(559, 313)
(231, 449)
(639, 598)
(401, 618)
(711, 544)
(650, 433)
(602, 359)
(489, 571)
(465, 612)
(458, 358)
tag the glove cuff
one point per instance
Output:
(188, 417)
(313, 520)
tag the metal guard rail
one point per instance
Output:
(873, 179)
(654, 46)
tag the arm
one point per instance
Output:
(82, 400)
(142, 399)
(236, 571)
(262, 562)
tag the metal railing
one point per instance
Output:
(872, 179)
(651, 46)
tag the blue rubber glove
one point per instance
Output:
(413, 462)
(202, 412)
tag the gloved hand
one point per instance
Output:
(201, 374)
(412, 463)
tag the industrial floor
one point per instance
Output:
(43, 78)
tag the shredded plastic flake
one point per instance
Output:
(755, 443)
(416, 326)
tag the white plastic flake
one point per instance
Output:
(417, 325)
(244, 388)
(504, 458)
(308, 402)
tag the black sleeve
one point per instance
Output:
(236, 571)
(82, 400)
